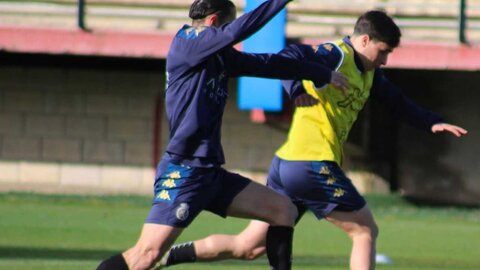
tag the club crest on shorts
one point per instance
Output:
(182, 211)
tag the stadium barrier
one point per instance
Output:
(422, 20)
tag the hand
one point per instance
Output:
(455, 130)
(339, 81)
(305, 100)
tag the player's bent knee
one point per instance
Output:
(370, 232)
(284, 213)
(290, 212)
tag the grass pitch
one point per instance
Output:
(74, 232)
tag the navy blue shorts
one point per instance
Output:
(320, 186)
(182, 192)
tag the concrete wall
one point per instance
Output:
(433, 168)
(68, 124)
(65, 122)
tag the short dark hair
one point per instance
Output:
(378, 26)
(202, 8)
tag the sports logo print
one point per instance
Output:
(169, 183)
(182, 211)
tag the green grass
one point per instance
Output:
(74, 232)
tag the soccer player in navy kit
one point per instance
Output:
(307, 167)
(189, 177)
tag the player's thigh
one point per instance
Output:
(256, 201)
(353, 221)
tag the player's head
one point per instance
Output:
(375, 36)
(212, 12)
(379, 27)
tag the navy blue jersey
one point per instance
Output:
(382, 90)
(199, 63)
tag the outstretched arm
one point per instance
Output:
(296, 62)
(401, 106)
(275, 66)
(322, 54)
(404, 108)
(213, 39)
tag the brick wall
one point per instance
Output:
(64, 126)
(69, 126)
(437, 168)
(77, 115)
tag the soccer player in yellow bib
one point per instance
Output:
(307, 167)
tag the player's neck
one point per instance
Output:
(198, 23)
(209, 21)
(359, 48)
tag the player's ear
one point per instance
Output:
(211, 20)
(364, 39)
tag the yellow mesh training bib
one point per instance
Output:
(319, 132)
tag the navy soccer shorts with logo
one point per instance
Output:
(320, 186)
(182, 192)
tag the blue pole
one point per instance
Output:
(259, 93)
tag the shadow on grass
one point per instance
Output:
(297, 260)
(89, 254)
(53, 253)
(25, 253)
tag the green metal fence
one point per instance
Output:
(433, 20)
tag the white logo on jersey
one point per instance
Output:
(182, 211)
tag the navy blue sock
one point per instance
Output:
(279, 247)
(116, 262)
